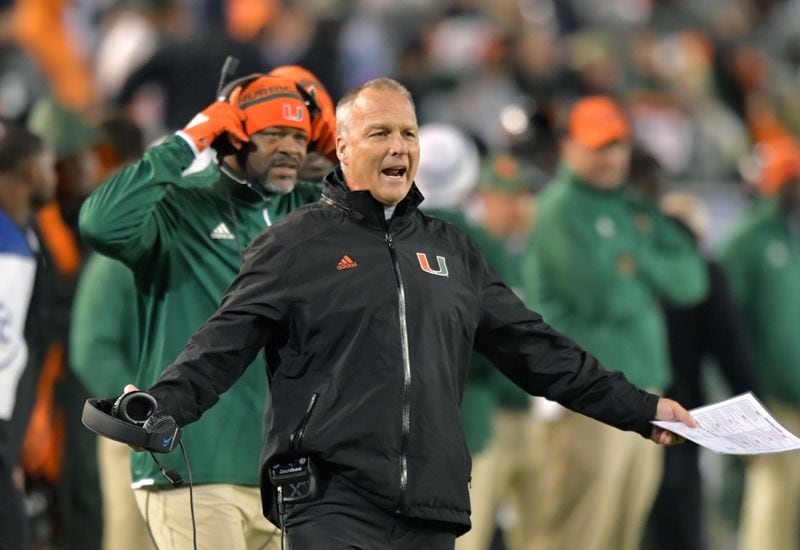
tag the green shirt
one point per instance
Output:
(104, 337)
(599, 265)
(763, 264)
(184, 239)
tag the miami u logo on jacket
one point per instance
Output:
(286, 110)
(441, 265)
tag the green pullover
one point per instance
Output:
(598, 267)
(762, 260)
(184, 239)
(103, 336)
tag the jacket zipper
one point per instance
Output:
(297, 435)
(406, 427)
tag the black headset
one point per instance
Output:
(309, 99)
(132, 418)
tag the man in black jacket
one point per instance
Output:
(368, 311)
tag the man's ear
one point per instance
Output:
(341, 148)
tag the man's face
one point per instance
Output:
(604, 168)
(498, 212)
(274, 157)
(379, 150)
(78, 176)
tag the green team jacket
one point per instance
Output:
(598, 267)
(104, 333)
(763, 263)
(179, 236)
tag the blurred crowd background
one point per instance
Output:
(710, 88)
(702, 81)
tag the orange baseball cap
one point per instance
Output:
(596, 121)
(270, 101)
(780, 164)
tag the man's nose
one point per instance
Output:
(397, 145)
(291, 145)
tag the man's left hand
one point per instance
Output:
(672, 411)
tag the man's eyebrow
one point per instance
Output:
(377, 126)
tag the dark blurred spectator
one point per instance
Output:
(73, 140)
(58, 449)
(712, 329)
(27, 180)
(763, 263)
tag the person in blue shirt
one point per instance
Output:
(27, 179)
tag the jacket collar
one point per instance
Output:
(361, 204)
(228, 185)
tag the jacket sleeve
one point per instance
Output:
(124, 218)
(253, 306)
(544, 362)
(101, 348)
(670, 263)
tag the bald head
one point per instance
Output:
(353, 98)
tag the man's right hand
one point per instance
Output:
(670, 410)
(218, 118)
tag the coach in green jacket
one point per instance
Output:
(184, 242)
(599, 266)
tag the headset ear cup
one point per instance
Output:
(134, 407)
(159, 422)
(168, 433)
(117, 404)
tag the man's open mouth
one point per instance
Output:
(397, 172)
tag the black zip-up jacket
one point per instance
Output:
(368, 327)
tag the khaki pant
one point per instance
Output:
(123, 526)
(600, 484)
(771, 504)
(508, 472)
(227, 517)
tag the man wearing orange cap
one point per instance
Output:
(185, 239)
(599, 266)
(763, 263)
